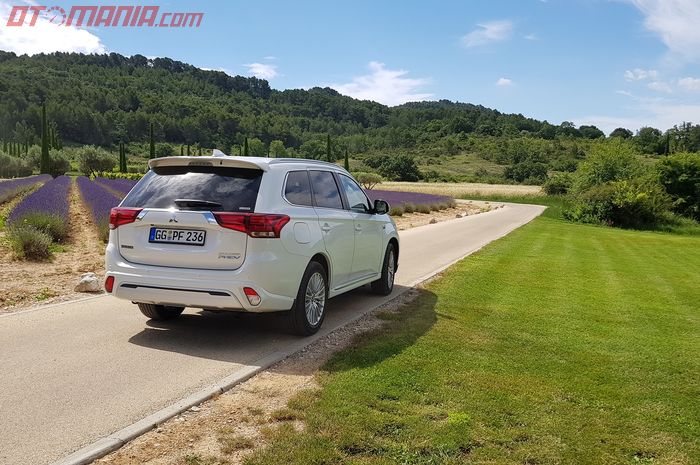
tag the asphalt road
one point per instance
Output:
(76, 372)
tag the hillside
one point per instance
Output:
(104, 99)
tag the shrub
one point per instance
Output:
(54, 225)
(423, 208)
(409, 207)
(13, 167)
(94, 159)
(635, 203)
(396, 211)
(29, 243)
(612, 161)
(113, 175)
(680, 176)
(59, 165)
(368, 180)
(557, 184)
(399, 168)
(532, 172)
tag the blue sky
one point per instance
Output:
(606, 62)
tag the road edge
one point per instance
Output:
(116, 440)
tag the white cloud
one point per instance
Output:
(387, 86)
(489, 32)
(660, 86)
(624, 92)
(262, 70)
(689, 84)
(676, 23)
(270, 57)
(504, 82)
(638, 74)
(531, 37)
(45, 37)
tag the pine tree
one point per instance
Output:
(245, 147)
(328, 148)
(152, 144)
(45, 160)
(346, 162)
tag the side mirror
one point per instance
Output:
(381, 207)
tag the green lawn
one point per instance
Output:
(560, 343)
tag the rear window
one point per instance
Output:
(298, 190)
(236, 189)
(325, 189)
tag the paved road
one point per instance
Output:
(75, 372)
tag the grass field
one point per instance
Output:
(560, 343)
(462, 189)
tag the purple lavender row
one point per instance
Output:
(12, 187)
(400, 198)
(122, 186)
(49, 199)
(100, 201)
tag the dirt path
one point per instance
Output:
(26, 283)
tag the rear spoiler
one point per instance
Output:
(229, 162)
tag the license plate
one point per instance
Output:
(177, 236)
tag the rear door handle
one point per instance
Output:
(325, 227)
(358, 227)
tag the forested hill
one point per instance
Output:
(101, 99)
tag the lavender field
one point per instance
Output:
(122, 186)
(12, 187)
(409, 202)
(49, 199)
(100, 201)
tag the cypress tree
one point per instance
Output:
(245, 147)
(188, 150)
(26, 147)
(346, 162)
(182, 151)
(328, 148)
(4, 145)
(199, 151)
(45, 161)
(152, 144)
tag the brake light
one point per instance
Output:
(119, 216)
(266, 225)
(252, 296)
(109, 284)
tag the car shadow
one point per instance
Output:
(245, 338)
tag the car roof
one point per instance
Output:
(239, 162)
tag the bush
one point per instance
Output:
(557, 184)
(52, 225)
(113, 175)
(533, 172)
(368, 180)
(636, 203)
(680, 176)
(611, 161)
(94, 159)
(14, 167)
(27, 242)
(409, 207)
(423, 208)
(396, 211)
(60, 165)
(396, 168)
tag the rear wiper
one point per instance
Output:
(196, 203)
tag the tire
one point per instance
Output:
(160, 312)
(385, 284)
(305, 316)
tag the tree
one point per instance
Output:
(622, 133)
(45, 163)
(245, 147)
(680, 175)
(591, 132)
(277, 149)
(346, 161)
(400, 168)
(151, 143)
(93, 159)
(368, 180)
(328, 148)
(614, 160)
(256, 147)
(649, 140)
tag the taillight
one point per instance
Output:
(252, 296)
(266, 225)
(119, 216)
(109, 284)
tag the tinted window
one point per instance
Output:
(236, 189)
(356, 196)
(326, 191)
(298, 190)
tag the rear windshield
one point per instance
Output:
(236, 189)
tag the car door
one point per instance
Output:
(367, 259)
(336, 224)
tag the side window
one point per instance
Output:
(325, 189)
(356, 196)
(298, 190)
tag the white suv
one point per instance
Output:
(248, 234)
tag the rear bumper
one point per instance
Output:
(211, 289)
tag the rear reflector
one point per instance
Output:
(109, 284)
(253, 224)
(119, 216)
(252, 296)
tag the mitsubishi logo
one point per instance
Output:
(173, 219)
